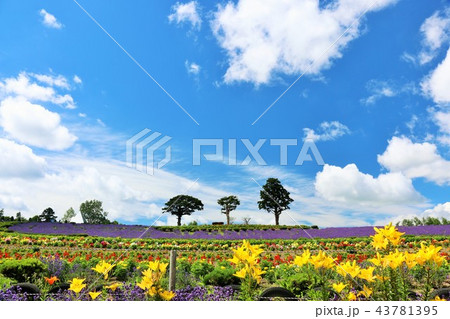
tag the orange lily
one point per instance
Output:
(51, 280)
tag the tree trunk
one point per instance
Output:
(179, 220)
(277, 219)
(228, 217)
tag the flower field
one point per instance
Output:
(48, 261)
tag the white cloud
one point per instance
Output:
(126, 193)
(327, 131)
(23, 86)
(52, 80)
(19, 161)
(34, 125)
(415, 160)
(192, 67)
(349, 185)
(49, 20)
(82, 115)
(436, 85)
(378, 90)
(435, 31)
(381, 89)
(407, 57)
(266, 37)
(100, 122)
(411, 124)
(12, 203)
(186, 12)
(440, 210)
(350, 189)
(442, 120)
(77, 79)
(444, 139)
(130, 195)
(75, 185)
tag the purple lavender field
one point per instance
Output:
(136, 231)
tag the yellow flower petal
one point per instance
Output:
(94, 294)
(339, 287)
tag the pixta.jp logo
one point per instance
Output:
(252, 151)
(141, 148)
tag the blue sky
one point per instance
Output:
(373, 96)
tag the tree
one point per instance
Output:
(228, 203)
(181, 205)
(1, 214)
(34, 219)
(48, 215)
(92, 212)
(274, 198)
(70, 213)
(246, 220)
(19, 217)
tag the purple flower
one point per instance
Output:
(202, 294)
(135, 231)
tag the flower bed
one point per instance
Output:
(386, 266)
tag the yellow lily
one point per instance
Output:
(394, 260)
(351, 296)
(94, 294)
(378, 260)
(339, 287)
(303, 259)
(349, 268)
(379, 241)
(385, 235)
(366, 292)
(437, 298)
(321, 260)
(367, 274)
(103, 268)
(256, 273)
(76, 285)
(146, 283)
(167, 295)
(113, 286)
(241, 273)
(410, 260)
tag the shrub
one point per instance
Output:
(22, 270)
(201, 269)
(124, 271)
(183, 266)
(298, 283)
(275, 274)
(5, 283)
(221, 277)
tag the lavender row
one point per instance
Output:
(135, 231)
(127, 292)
